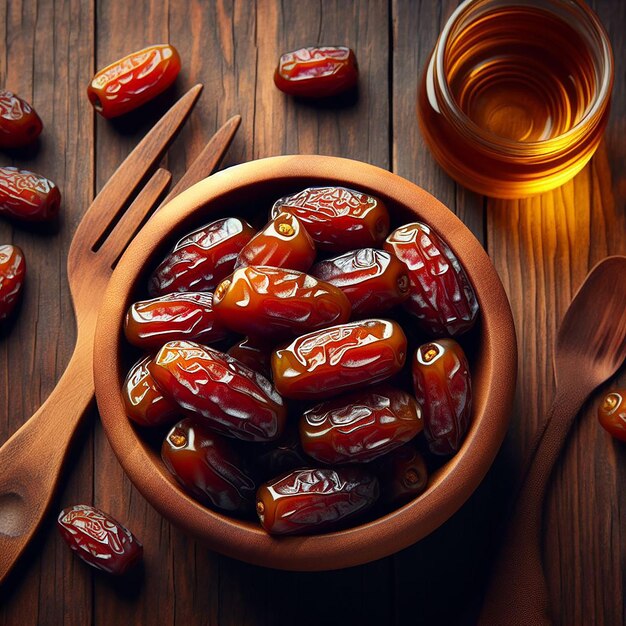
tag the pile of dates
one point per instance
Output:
(280, 362)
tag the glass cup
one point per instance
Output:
(515, 97)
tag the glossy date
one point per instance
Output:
(317, 72)
(312, 500)
(373, 280)
(98, 539)
(403, 475)
(361, 426)
(284, 242)
(337, 218)
(133, 80)
(28, 196)
(234, 399)
(12, 274)
(151, 323)
(441, 379)
(145, 404)
(201, 259)
(441, 296)
(272, 301)
(208, 466)
(19, 122)
(612, 413)
(340, 358)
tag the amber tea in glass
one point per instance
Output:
(516, 94)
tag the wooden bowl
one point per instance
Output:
(248, 190)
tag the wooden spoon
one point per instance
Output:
(590, 348)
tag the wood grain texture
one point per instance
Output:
(45, 64)
(542, 249)
(143, 24)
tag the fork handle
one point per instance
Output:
(517, 593)
(31, 460)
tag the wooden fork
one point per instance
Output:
(31, 460)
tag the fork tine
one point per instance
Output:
(206, 162)
(132, 219)
(117, 191)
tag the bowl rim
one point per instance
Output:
(371, 540)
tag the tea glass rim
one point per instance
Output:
(504, 145)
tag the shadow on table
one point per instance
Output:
(439, 580)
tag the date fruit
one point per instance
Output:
(403, 475)
(28, 196)
(12, 273)
(144, 403)
(208, 466)
(612, 413)
(272, 301)
(19, 123)
(337, 218)
(284, 242)
(340, 358)
(151, 323)
(361, 426)
(317, 72)
(441, 379)
(311, 500)
(98, 539)
(441, 296)
(373, 280)
(201, 259)
(133, 80)
(234, 399)
(253, 353)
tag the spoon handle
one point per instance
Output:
(517, 592)
(31, 460)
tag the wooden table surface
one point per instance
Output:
(542, 248)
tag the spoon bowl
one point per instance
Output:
(591, 343)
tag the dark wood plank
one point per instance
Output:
(556, 244)
(587, 500)
(164, 590)
(543, 248)
(354, 128)
(47, 57)
(584, 539)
